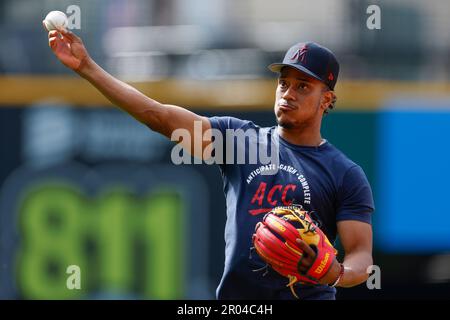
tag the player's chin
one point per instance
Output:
(285, 118)
(285, 122)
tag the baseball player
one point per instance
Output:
(310, 172)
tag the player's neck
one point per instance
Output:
(301, 137)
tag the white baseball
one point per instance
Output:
(55, 19)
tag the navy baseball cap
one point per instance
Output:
(312, 59)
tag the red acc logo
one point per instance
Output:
(275, 191)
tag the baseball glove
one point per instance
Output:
(275, 242)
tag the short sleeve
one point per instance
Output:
(224, 123)
(355, 199)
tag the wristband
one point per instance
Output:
(341, 273)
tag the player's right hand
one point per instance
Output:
(68, 48)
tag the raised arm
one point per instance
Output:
(162, 118)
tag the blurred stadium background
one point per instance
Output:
(82, 183)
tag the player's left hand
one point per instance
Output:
(308, 258)
(310, 261)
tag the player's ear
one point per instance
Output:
(327, 100)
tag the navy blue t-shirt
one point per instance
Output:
(321, 179)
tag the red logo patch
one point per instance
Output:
(272, 198)
(300, 54)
